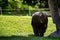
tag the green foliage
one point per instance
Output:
(30, 2)
(13, 4)
(43, 4)
(1, 3)
(4, 4)
(19, 4)
(16, 3)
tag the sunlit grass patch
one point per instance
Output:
(20, 25)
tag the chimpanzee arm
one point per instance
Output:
(46, 20)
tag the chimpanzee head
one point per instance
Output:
(39, 16)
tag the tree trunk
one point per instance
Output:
(55, 10)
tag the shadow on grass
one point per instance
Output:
(29, 37)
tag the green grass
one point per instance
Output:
(21, 26)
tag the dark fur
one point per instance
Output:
(39, 23)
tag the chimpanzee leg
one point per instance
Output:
(45, 27)
(43, 30)
(36, 33)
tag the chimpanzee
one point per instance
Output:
(39, 23)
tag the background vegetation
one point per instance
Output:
(23, 7)
(19, 27)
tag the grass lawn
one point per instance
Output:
(19, 28)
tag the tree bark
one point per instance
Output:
(55, 10)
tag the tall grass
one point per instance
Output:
(19, 28)
(20, 25)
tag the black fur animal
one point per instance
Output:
(39, 23)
